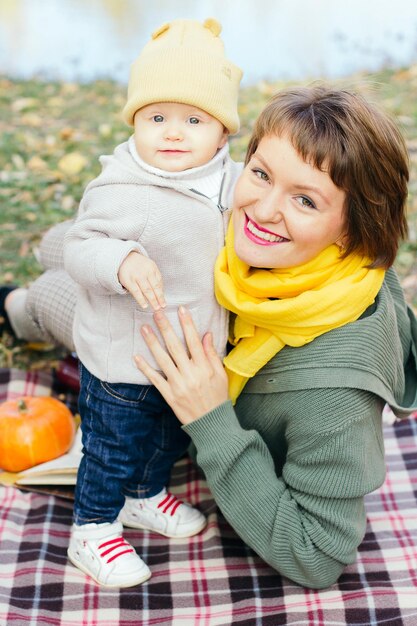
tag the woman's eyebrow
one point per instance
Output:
(311, 188)
(260, 158)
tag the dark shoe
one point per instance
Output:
(4, 319)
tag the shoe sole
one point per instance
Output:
(82, 567)
(159, 532)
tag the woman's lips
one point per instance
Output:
(260, 235)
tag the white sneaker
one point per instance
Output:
(164, 514)
(100, 551)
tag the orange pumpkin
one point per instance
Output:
(33, 430)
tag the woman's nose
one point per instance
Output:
(268, 208)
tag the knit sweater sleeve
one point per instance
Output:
(303, 513)
(109, 225)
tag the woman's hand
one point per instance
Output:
(194, 383)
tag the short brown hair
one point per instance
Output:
(363, 151)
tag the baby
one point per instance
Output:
(147, 235)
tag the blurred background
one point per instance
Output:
(270, 39)
(64, 66)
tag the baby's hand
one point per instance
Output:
(142, 278)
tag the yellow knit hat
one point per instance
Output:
(184, 62)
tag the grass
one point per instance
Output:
(51, 134)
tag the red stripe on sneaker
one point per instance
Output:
(119, 554)
(167, 497)
(169, 504)
(115, 544)
(178, 502)
(111, 542)
(169, 501)
(121, 544)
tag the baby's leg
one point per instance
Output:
(110, 418)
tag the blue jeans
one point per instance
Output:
(131, 439)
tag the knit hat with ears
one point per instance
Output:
(185, 62)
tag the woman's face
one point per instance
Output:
(285, 210)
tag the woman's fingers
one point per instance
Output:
(155, 377)
(173, 344)
(191, 386)
(211, 353)
(191, 336)
(203, 356)
(161, 356)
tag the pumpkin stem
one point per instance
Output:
(21, 405)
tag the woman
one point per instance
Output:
(323, 337)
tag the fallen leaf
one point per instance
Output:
(22, 104)
(31, 119)
(50, 141)
(24, 197)
(18, 162)
(36, 164)
(67, 203)
(24, 249)
(66, 132)
(69, 89)
(55, 101)
(105, 130)
(72, 163)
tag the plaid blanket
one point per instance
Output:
(212, 579)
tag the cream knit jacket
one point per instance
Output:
(127, 208)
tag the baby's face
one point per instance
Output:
(176, 137)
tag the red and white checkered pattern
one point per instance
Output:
(211, 579)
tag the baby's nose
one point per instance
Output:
(173, 133)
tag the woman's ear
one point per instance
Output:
(341, 242)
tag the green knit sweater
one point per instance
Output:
(289, 466)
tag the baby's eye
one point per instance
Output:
(194, 120)
(305, 202)
(260, 173)
(158, 118)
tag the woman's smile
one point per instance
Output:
(260, 235)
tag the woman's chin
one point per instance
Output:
(252, 260)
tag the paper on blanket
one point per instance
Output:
(59, 471)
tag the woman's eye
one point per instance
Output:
(260, 174)
(194, 120)
(158, 118)
(306, 202)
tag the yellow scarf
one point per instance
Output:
(279, 307)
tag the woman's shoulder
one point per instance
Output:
(376, 353)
